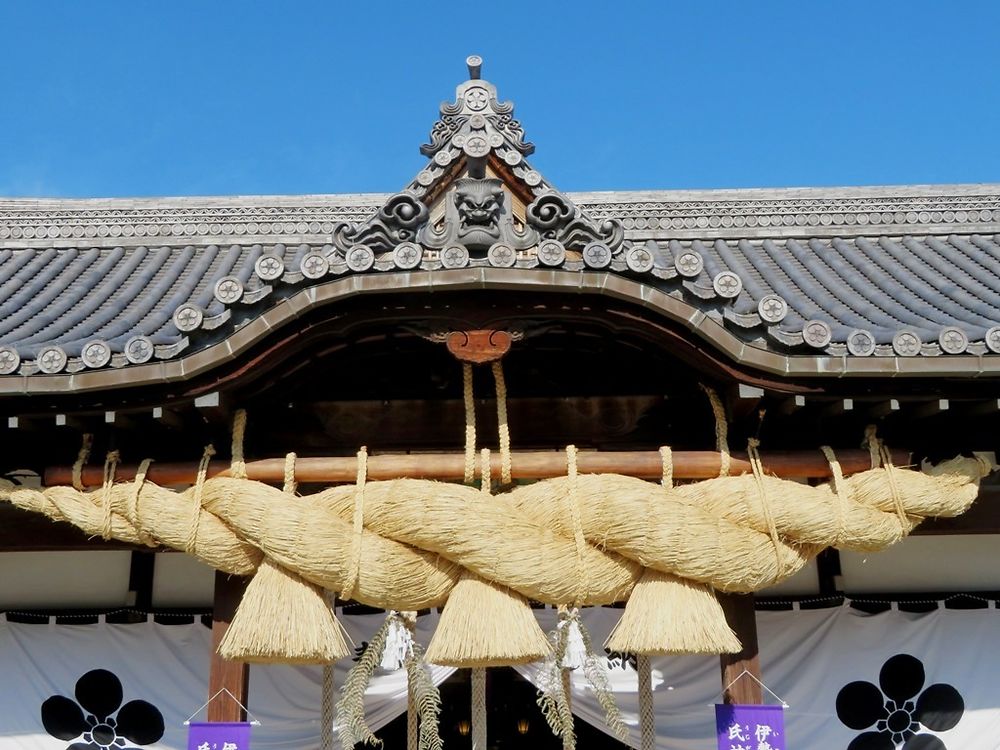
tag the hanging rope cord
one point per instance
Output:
(199, 485)
(881, 457)
(758, 474)
(354, 572)
(328, 690)
(477, 697)
(81, 459)
(582, 576)
(840, 491)
(721, 430)
(110, 464)
(503, 428)
(132, 508)
(478, 682)
(237, 469)
(756, 466)
(470, 423)
(238, 465)
(644, 662)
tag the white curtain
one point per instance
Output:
(808, 656)
(167, 666)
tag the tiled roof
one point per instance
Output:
(796, 282)
(109, 283)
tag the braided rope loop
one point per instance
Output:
(110, 464)
(758, 474)
(358, 525)
(502, 426)
(468, 399)
(840, 490)
(578, 538)
(478, 698)
(81, 459)
(289, 485)
(721, 430)
(647, 715)
(199, 488)
(132, 507)
(238, 465)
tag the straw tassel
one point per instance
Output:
(484, 624)
(282, 617)
(670, 615)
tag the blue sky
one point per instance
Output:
(217, 98)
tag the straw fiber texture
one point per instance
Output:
(584, 540)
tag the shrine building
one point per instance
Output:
(481, 463)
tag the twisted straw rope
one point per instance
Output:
(418, 535)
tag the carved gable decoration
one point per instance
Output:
(478, 216)
(478, 200)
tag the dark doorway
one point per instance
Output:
(514, 718)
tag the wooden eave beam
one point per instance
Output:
(524, 465)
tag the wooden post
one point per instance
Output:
(742, 619)
(234, 676)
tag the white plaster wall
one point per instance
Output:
(925, 563)
(64, 580)
(803, 583)
(182, 581)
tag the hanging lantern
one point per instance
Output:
(523, 725)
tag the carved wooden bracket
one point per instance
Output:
(479, 346)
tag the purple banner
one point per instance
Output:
(219, 735)
(750, 727)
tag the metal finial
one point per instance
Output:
(475, 63)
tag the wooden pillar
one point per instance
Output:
(742, 619)
(234, 676)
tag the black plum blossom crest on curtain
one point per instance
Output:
(90, 720)
(897, 709)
